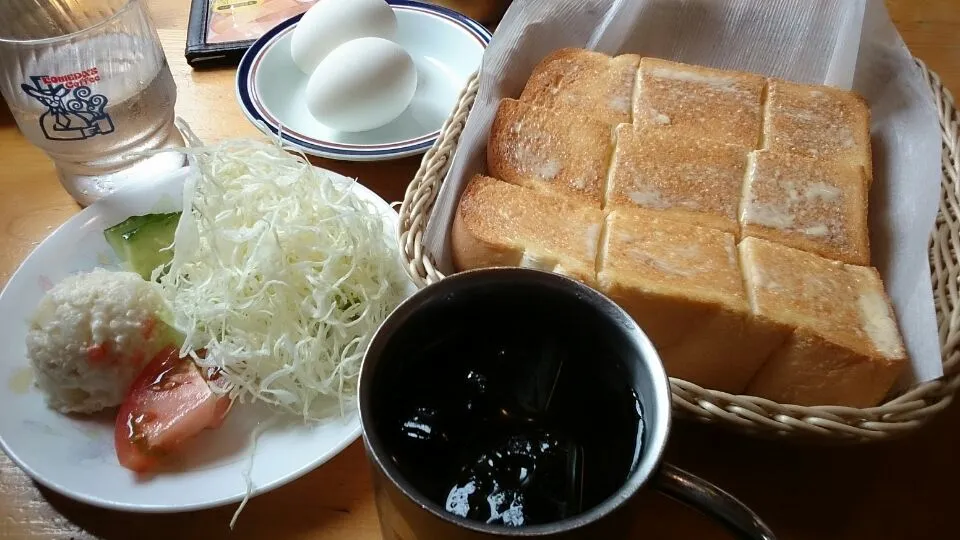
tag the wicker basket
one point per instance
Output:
(754, 415)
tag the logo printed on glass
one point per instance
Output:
(74, 112)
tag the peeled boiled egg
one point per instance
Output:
(331, 23)
(361, 85)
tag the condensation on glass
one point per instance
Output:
(88, 83)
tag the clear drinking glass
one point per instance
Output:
(87, 82)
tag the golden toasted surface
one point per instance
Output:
(844, 304)
(644, 250)
(638, 176)
(683, 286)
(815, 205)
(556, 152)
(503, 224)
(694, 180)
(818, 121)
(844, 349)
(585, 82)
(699, 102)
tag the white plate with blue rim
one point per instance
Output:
(74, 454)
(446, 48)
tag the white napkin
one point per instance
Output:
(812, 41)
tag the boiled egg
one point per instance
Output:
(331, 23)
(361, 85)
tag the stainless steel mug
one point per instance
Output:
(449, 305)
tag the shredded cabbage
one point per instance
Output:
(280, 274)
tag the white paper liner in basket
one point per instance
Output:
(901, 414)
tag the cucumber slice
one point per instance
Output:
(114, 235)
(142, 242)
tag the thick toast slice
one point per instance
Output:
(585, 82)
(818, 121)
(500, 224)
(699, 102)
(815, 205)
(558, 152)
(682, 285)
(845, 347)
(693, 180)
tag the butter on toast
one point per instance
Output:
(845, 347)
(500, 224)
(693, 180)
(818, 121)
(810, 204)
(682, 284)
(585, 82)
(559, 152)
(699, 102)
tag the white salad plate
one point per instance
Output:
(74, 455)
(446, 47)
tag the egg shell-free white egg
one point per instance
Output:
(362, 85)
(331, 23)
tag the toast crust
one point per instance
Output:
(845, 348)
(585, 82)
(809, 370)
(555, 152)
(725, 211)
(500, 224)
(683, 286)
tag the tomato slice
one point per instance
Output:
(169, 403)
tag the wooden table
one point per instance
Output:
(901, 489)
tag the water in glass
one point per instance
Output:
(87, 82)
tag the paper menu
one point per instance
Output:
(242, 20)
(844, 43)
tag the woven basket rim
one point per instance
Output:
(900, 415)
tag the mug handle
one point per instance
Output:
(712, 501)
